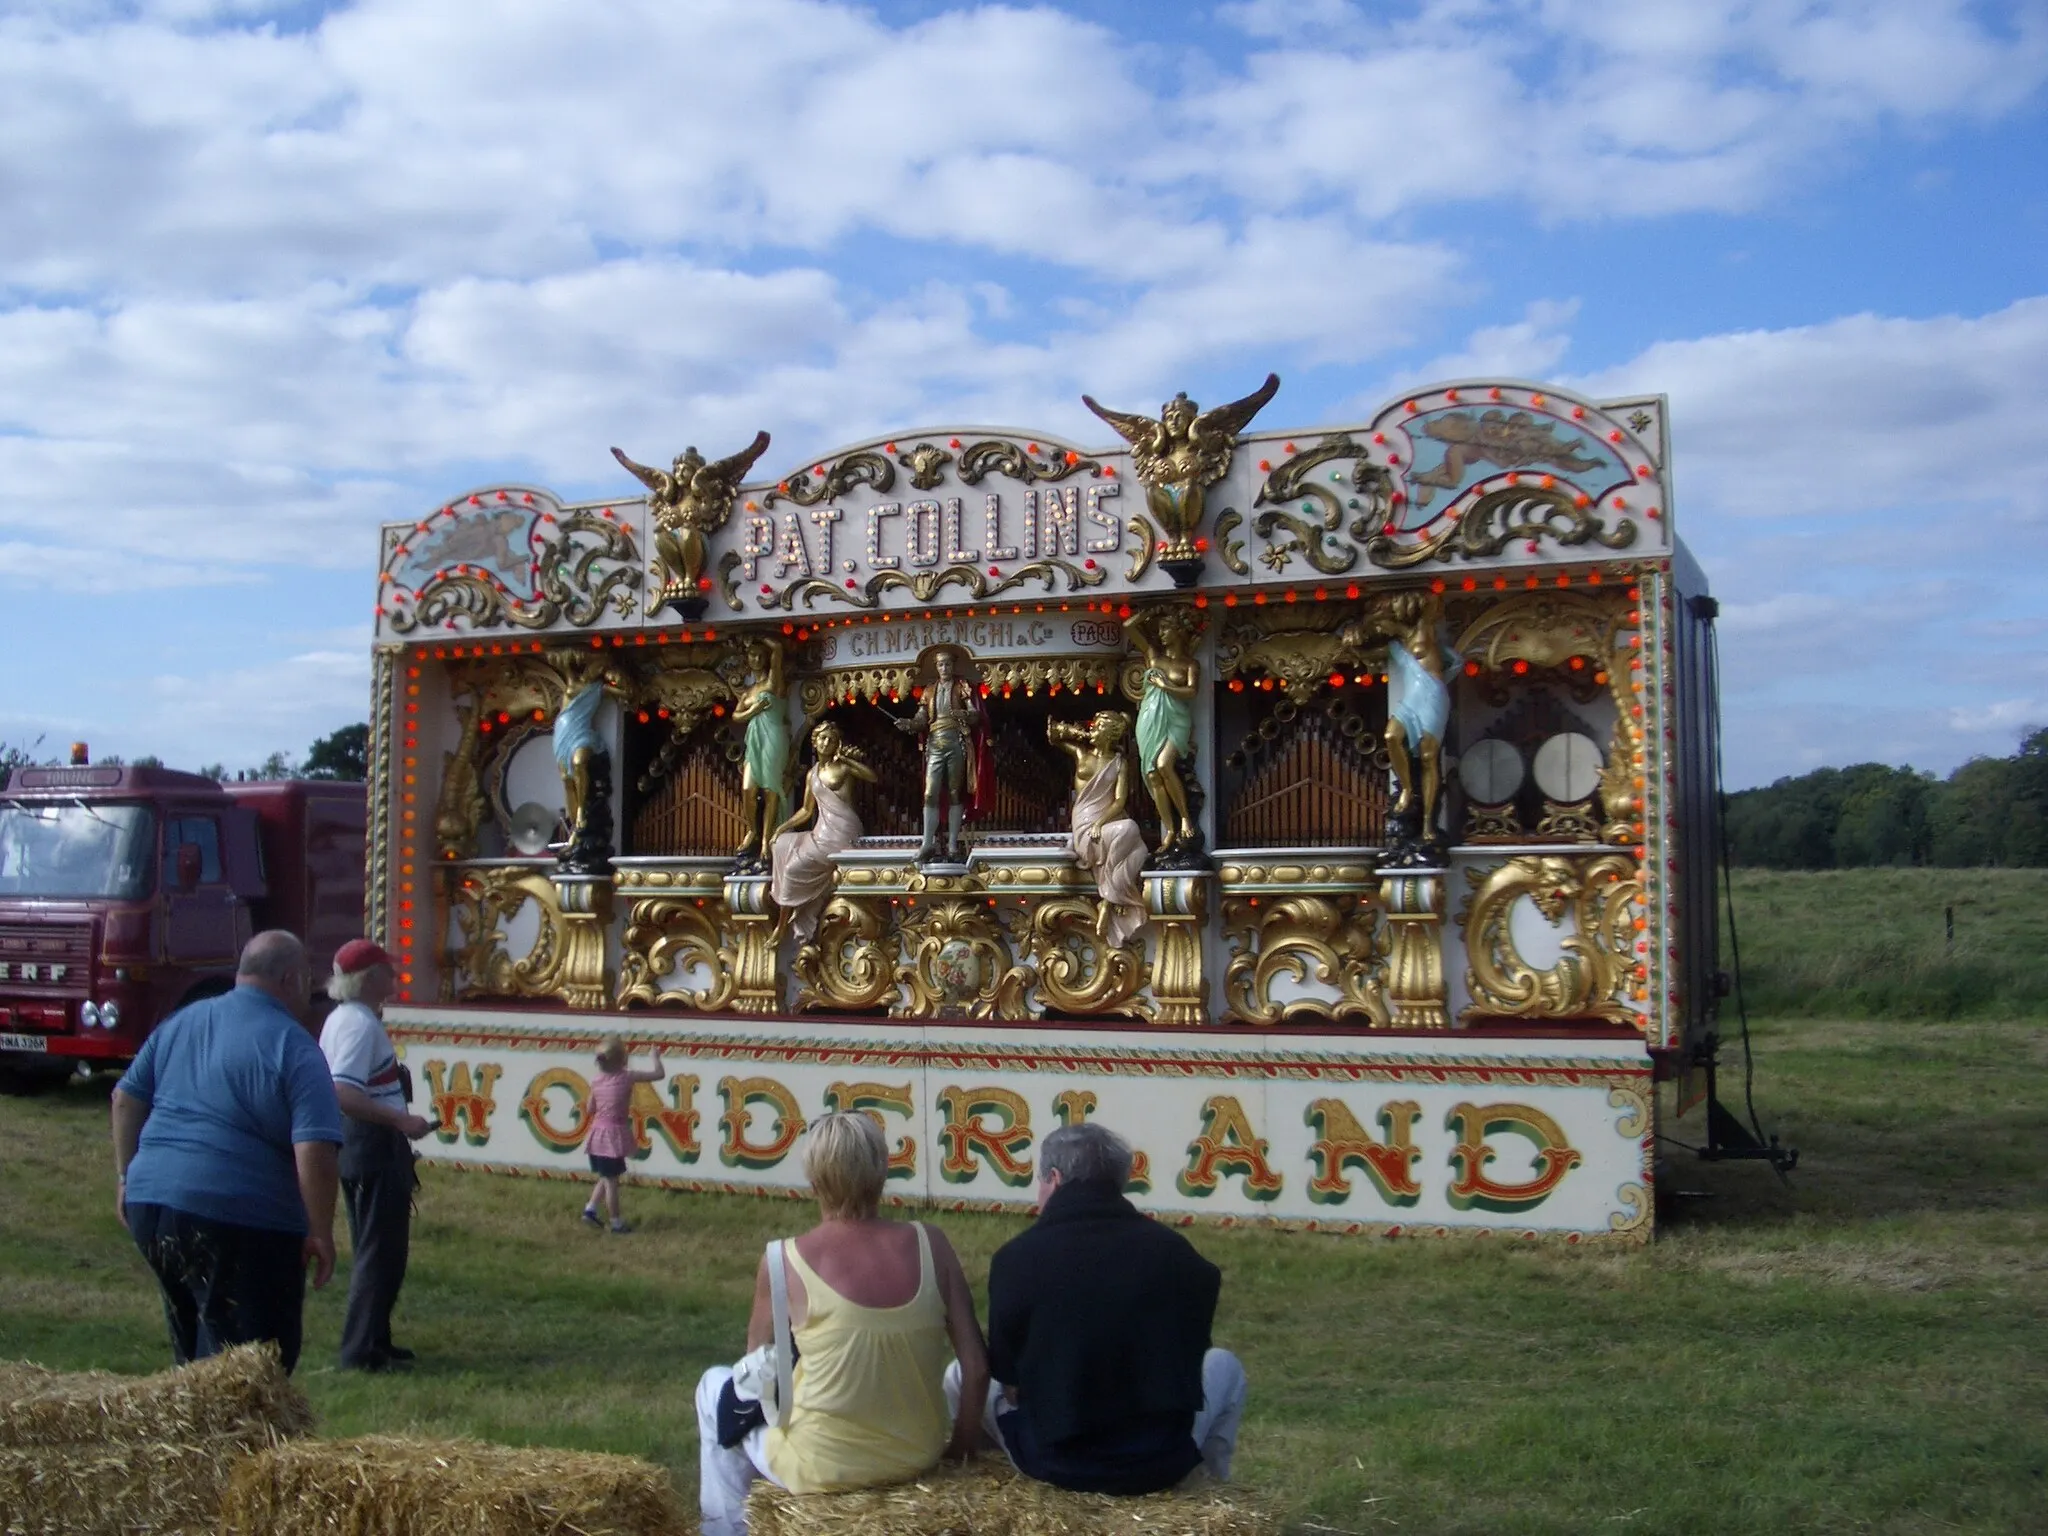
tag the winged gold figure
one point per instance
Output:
(692, 498)
(1182, 454)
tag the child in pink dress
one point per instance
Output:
(610, 1140)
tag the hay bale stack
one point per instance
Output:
(93, 1453)
(988, 1498)
(117, 1488)
(242, 1389)
(404, 1487)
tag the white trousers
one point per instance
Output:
(1224, 1389)
(724, 1475)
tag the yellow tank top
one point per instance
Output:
(869, 1402)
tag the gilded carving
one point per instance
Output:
(1329, 941)
(517, 688)
(567, 957)
(1179, 456)
(996, 457)
(959, 956)
(689, 501)
(1600, 894)
(1414, 905)
(1619, 799)
(1299, 660)
(1311, 531)
(823, 482)
(1503, 517)
(924, 586)
(850, 964)
(1542, 628)
(667, 934)
(1076, 970)
(588, 564)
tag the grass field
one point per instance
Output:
(1885, 950)
(1863, 1349)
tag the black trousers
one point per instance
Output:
(379, 1205)
(223, 1284)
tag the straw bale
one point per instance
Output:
(117, 1488)
(239, 1391)
(391, 1486)
(988, 1498)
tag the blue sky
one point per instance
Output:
(271, 274)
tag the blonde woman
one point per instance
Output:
(876, 1308)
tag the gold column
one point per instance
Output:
(1414, 904)
(757, 983)
(1178, 902)
(586, 903)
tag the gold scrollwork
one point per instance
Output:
(1500, 518)
(588, 564)
(667, 933)
(1322, 514)
(1147, 536)
(996, 457)
(1228, 521)
(484, 902)
(823, 482)
(1076, 971)
(849, 965)
(1328, 941)
(924, 586)
(1590, 976)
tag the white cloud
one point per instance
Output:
(1867, 496)
(1866, 412)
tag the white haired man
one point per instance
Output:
(1103, 1379)
(376, 1155)
(225, 1129)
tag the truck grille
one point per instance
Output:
(45, 954)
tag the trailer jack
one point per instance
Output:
(1729, 1140)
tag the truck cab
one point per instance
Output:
(126, 893)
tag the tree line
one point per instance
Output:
(342, 754)
(1992, 810)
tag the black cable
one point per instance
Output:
(1728, 877)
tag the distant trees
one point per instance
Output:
(343, 755)
(1992, 810)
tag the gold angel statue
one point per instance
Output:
(1182, 454)
(689, 500)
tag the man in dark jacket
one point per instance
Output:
(1103, 1377)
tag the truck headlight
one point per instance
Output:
(110, 1015)
(89, 1015)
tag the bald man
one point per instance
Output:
(226, 1136)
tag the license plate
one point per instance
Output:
(24, 1043)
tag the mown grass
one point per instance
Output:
(1872, 943)
(1860, 1349)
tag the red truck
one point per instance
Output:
(126, 893)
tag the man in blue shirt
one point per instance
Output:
(226, 1132)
